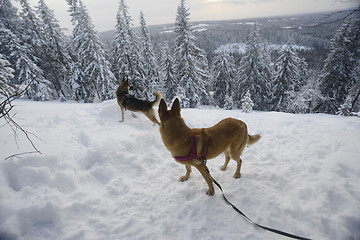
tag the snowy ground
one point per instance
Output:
(98, 178)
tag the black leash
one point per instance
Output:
(255, 224)
(289, 235)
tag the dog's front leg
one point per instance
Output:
(187, 174)
(206, 175)
(122, 113)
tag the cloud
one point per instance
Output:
(229, 2)
(261, 1)
(237, 2)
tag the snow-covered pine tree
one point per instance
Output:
(78, 84)
(341, 69)
(168, 74)
(32, 30)
(89, 53)
(10, 24)
(223, 73)
(351, 106)
(288, 77)
(128, 61)
(344, 109)
(354, 94)
(122, 49)
(33, 35)
(307, 98)
(80, 88)
(254, 73)
(304, 74)
(229, 102)
(15, 44)
(26, 71)
(191, 66)
(152, 77)
(9, 19)
(56, 60)
(6, 73)
(246, 103)
(204, 75)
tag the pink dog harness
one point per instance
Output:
(193, 153)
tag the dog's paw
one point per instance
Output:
(183, 178)
(223, 168)
(237, 175)
(210, 192)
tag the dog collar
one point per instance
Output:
(193, 153)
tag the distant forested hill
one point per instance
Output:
(312, 32)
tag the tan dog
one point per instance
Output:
(129, 102)
(229, 136)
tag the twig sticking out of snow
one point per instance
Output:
(5, 109)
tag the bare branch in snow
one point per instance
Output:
(6, 107)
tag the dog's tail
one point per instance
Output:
(158, 98)
(253, 139)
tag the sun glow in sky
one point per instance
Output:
(103, 13)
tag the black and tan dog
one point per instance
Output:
(129, 102)
(191, 146)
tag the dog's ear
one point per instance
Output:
(176, 106)
(162, 106)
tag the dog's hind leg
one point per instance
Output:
(187, 174)
(237, 173)
(227, 159)
(235, 153)
(151, 115)
(206, 175)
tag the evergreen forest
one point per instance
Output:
(296, 64)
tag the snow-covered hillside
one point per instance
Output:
(240, 48)
(98, 178)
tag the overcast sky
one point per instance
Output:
(103, 12)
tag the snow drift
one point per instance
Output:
(98, 178)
